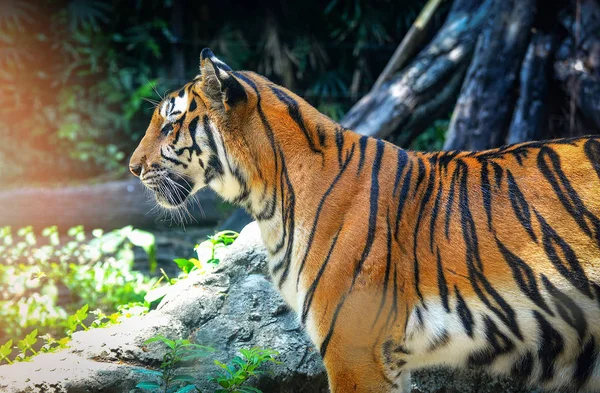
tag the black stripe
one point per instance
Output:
(568, 310)
(294, 112)
(564, 259)
(592, 151)
(586, 363)
(550, 344)
(362, 142)
(313, 231)
(524, 277)
(498, 344)
(313, 286)
(569, 197)
(388, 267)
(519, 205)
(497, 174)
(167, 129)
(288, 201)
(464, 313)
(403, 198)
(416, 232)
(402, 159)
(442, 284)
(486, 193)
(270, 211)
(373, 208)
(374, 204)
(173, 160)
(339, 142)
(523, 367)
(209, 134)
(193, 105)
(481, 285)
(441, 340)
(450, 202)
(192, 127)
(421, 176)
(322, 136)
(434, 214)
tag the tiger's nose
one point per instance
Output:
(136, 169)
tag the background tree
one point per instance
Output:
(508, 70)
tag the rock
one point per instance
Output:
(231, 308)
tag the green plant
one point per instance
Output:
(27, 346)
(241, 369)
(168, 379)
(432, 139)
(209, 253)
(48, 281)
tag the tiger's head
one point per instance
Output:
(185, 145)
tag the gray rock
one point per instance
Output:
(231, 308)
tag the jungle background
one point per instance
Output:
(77, 232)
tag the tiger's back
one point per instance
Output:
(398, 260)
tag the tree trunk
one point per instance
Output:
(577, 65)
(530, 111)
(108, 206)
(482, 114)
(426, 89)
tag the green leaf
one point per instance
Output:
(185, 265)
(169, 343)
(6, 349)
(186, 389)
(82, 313)
(156, 294)
(31, 338)
(147, 385)
(148, 372)
(183, 378)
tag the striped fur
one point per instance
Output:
(398, 260)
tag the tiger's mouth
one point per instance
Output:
(173, 190)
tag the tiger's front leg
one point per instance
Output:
(352, 369)
(361, 354)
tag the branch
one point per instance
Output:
(394, 105)
(410, 42)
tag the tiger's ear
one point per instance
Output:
(219, 84)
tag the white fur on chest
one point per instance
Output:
(290, 288)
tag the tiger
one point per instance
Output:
(397, 260)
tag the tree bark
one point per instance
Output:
(577, 65)
(530, 111)
(482, 114)
(425, 89)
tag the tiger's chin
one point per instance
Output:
(174, 192)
